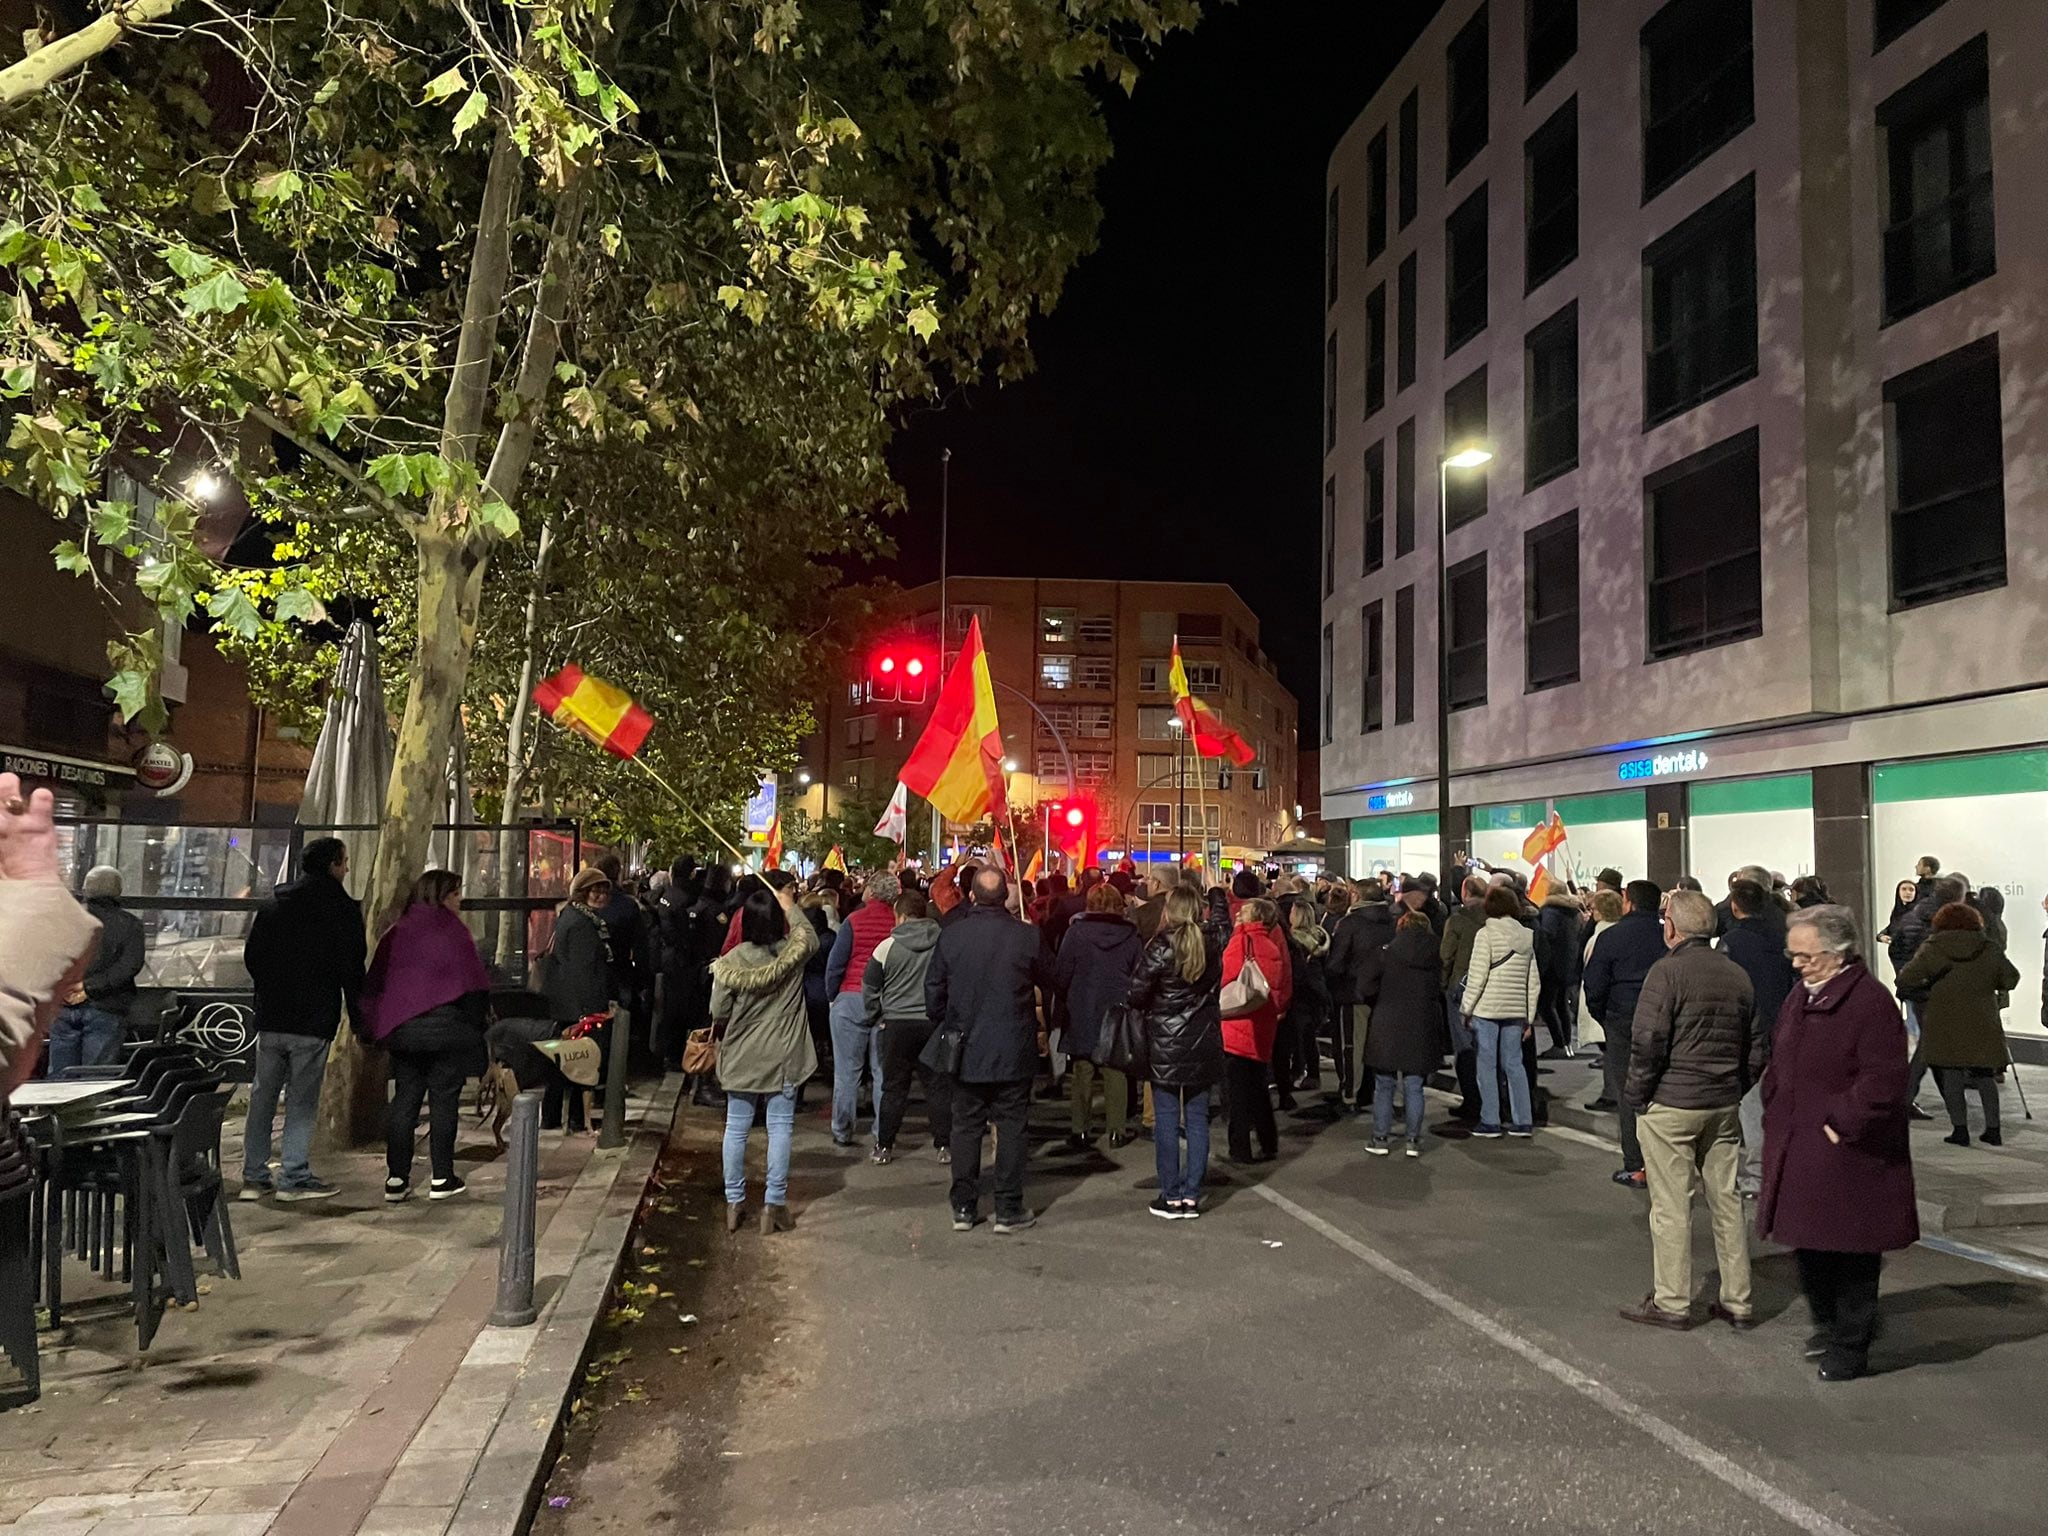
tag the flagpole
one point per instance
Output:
(945, 527)
(647, 769)
(1180, 775)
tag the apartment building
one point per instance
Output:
(1081, 688)
(1745, 302)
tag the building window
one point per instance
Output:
(1055, 671)
(1945, 473)
(1464, 425)
(1552, 33)
(1332, 250)
(1329, 547)
(1375, 349)
(1466, 65)
(1157, 722)
(856, 693)
(1551, 561)
(1404, 655)
(1056, 626)
(1938, 224)
(1375, 508)
(1705, 537)
(1894, 18)
(1550, 381)
(1411, 133)
(1330, 393)
(1154, 671)
(1404, 324)
(1467, 658)
(1376, 196)
(1155, 629)
(1098, 629)
(1155, 817)
(1092, 768)
(1697, 90)
(1551, 195)
(1094, 672)
(1699, 284)
(1085, 721)
(1465, 272)
(1404, 489)
(1329, 660)
(1204, 676)
(860, 730)
(1371, 667)
(1199, 628)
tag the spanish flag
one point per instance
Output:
(1036, 867)
(774, 854)
(958, 763)
(1539, 888)
(836, 859)
(1204, 727)
(579, 702)
(1544, 840)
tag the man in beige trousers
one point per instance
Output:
(1694, 1051)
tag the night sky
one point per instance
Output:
(1173, 428)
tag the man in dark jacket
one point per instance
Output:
(88, 1029)
(1356, 954)
(1694, 1051)
(982, 983)
(1907, 935)
(1454, 949)
(893, 992)
(1615, 971)
(305, 954)
(1559, 923)
(1750, 943)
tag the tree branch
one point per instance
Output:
(543, 345)
(51, 62)
(490, 267)
(370, 490)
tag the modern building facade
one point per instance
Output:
(1081, 677)
(1746, 301)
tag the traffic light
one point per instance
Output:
(1076, 818)
(897, 676)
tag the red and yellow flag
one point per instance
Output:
(579, 702)
(774, 855)
(1544, 840)
(1036, 867)
(1204, 727)
(958, 763)
(836, 859)
(1540, 886)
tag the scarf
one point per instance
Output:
(426, 959)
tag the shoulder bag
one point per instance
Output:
(1246, 992)
(1121, 1045)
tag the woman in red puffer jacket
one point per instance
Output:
(1248, 1038)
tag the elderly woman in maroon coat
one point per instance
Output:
(1838, 1175)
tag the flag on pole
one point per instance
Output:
(1203, 726)
(774, 855)
(1036, 867)
(572, 698)
(1544, 840)
(836, 859)
(895, 822)
(1539, 887)
(958, 762)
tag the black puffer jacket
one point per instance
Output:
(1407, 1032)
(1353, 963)
(1092, 971)
(1183, 1028)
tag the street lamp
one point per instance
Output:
(1471, 456)
(803, 775)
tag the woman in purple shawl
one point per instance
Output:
(427, 999)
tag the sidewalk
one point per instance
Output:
(348, 1383)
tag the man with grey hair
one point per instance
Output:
(88, 1030)
(1694, 1049)
(854, 1043)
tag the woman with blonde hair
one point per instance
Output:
(1174, 987)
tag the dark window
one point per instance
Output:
(1375, 554)
(1946, 477)
(1329, 661)
(1465, 272)
(1550, 190)
(1371, 667)
(1464, 426)
(1376, 349)
(1330, 394)
(1699, 284)
(1550, 381)
(1329, 537)
(1205, 627)
(1376, 195)
(1552, 39)
(1332, 249)
(1411, 150)
(1404, 489)
(1466, 109)
(1404, 655)
(1551, 556)
(1404, 324)
(1938, 224)
(1705, 571)
(1895, 18)
(1467, 659)
(1697, 87)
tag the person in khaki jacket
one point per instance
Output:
(1694, 1049)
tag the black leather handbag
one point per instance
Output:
(1121, 1045)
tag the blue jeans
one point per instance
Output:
(1172, 1108)
(853, 1046)
(1383, 1104)
(295, 1064)
(1500, 1050)
(83, 1036)
(739, 1119)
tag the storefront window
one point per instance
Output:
(1392, 845)
(1601, 830)
(1751, 821)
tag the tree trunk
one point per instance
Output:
(54, 60)
(513, 926)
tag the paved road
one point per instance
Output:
(1341, 1345)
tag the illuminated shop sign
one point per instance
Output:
(1392, 800)
(1664, 765)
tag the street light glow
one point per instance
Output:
(1009, 765)
(1469, 458)
(205, 485)
(803, 775)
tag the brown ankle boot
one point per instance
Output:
(734, 1216)
(775, 1218)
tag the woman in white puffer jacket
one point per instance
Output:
(1501, 988)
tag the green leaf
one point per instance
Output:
(278, 186)
(610, 237)
(297, 605)
(221, 293)
(72, 560)
(231, 609)
(471, 114)
(131, 692)
(17, 378)
(731, 296)
(188, 264)
(389, 473)
(445, 84)
(924, 321)
(111, 521)
(498, 517)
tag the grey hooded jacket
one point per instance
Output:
(892, 986)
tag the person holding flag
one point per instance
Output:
(895, 822)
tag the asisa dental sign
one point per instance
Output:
(1392, 800)
(1664, 765)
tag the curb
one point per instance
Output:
(504, 1485)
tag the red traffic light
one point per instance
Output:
(886, 665)
(914, 666)
(1075, 816)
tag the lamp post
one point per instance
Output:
(1472, 456)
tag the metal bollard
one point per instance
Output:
(618, 1046)
(515, 1308)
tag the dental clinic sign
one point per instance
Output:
(1664, 765)
(1392, 800)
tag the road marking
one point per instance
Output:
(1780, 1503)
